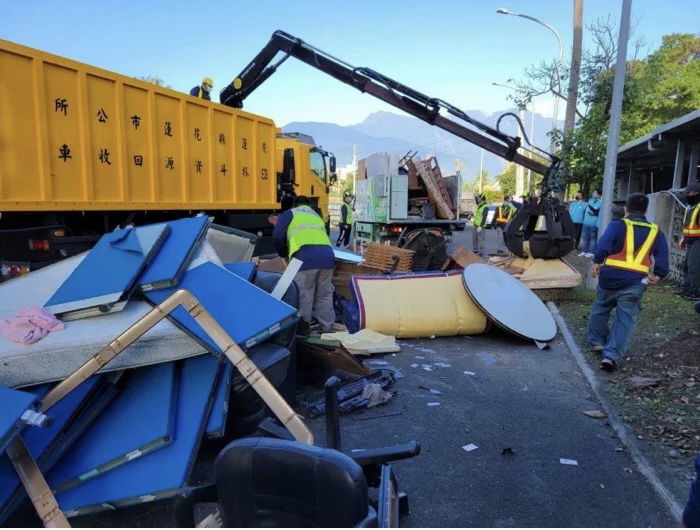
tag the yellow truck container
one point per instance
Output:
(77, 137)
(87, 147)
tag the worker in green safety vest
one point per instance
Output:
(301, 233)
(345, 222)
(480, 217)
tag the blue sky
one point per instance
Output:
(451, 49)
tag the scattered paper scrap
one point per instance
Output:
(433, 404)
(419, 357)
(568, 462)
(597, 414)
(443, 365)
(430, 390)
(469, 447)
(379, 363)
(414, 366)
(542, 345)
(427, 368)
(488, 359)
(469, 373)
(425, 350)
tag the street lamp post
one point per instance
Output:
(555, 119)
(519, 170)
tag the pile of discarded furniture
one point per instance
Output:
(119, 363)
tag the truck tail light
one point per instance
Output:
(396, 229)
(38, 244)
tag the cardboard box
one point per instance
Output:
(344, 272)
(272, 265)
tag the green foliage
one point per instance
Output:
(658, 89)
(343, 183)
(506, 180)
(154, 80)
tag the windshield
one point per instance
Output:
(318, 165)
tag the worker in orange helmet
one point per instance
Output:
(204, 90)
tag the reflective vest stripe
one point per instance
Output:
(692, 229)
(627, 259)
(306, 228)
(500, 218)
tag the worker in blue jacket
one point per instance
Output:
(301, 233)
(577, 209)
(622, 262)
(203, 91)
(591, 223)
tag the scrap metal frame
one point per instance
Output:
(33, 480)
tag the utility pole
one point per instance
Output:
(481, 173)
(520, 170)
(532, 139)
(355, 150)
(615, 115)
(614, 132)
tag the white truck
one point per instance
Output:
(394, 196)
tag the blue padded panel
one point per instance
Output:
(160, 473)
(41, 441)
(175, 254)
(111, 269)
(247, 313)
(217, 419)
(139, 420)
(13, 403)
(244, 269)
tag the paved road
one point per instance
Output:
(519, 397)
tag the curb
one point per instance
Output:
(622, 431)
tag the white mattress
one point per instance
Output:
(60, 353)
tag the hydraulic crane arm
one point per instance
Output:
(400, 96)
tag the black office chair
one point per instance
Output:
(267, 482)
(278, 482)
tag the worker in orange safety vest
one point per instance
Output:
(504, 212)
(690, 242)
(622, 263)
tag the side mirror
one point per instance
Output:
(331, 164)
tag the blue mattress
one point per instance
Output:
(247, 313)
(139, 420)
(110, 271)
(175, 254)
(14, 404)
(160, 473)
(217, 419)
(244, 269)
(46, 444)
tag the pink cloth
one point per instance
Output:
(30, 325)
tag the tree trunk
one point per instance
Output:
(575, 73)
(574, 78)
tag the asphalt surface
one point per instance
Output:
(514, 397)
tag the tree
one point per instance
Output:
(154, 80)
(506, 180)
(482, 180)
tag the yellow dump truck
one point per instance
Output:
(84, 150)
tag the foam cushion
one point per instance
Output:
(417, 305)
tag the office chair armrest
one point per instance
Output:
(186, 499)
(382, 455)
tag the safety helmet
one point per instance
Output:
(208, 81)
(347, 193)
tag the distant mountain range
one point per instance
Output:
(389, 132)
